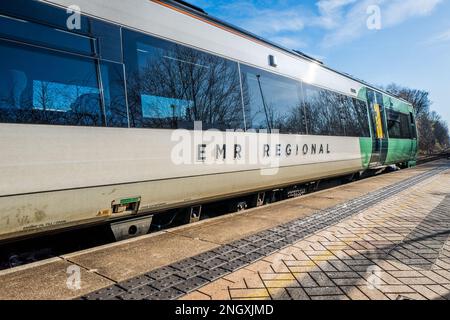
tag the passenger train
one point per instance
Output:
(113, 110)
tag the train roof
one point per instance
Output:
(184, 5)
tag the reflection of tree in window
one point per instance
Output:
(66, 93)
(322, 109)
(176, 85)
(331, 113)
(272, 102)
(355, 117)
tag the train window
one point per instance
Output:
(394, 125)
(272, 102)
(413, 126)
(43, 13)
(354, 114)
(370, 97)
(323, 111)
(380, 100)
(112, 76)
(44, 87)
(170, 86)
(405, 126)
(26, 31)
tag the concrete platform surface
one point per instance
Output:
(384, 237)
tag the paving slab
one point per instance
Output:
(49, 281)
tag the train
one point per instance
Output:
(112, 111)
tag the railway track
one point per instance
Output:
(432, 157)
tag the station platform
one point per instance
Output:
(385, 237)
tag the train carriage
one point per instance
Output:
(128, 108)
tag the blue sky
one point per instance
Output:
(411, 47)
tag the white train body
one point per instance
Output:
(54, 176)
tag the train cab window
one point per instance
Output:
(272, 102)
(413, 126)
(170, 86)
(39, 86)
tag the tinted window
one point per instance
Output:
(323, 111)
(114, 94)
(413, 126)
(272, 102)
(171, 86)
(405, 126)
(44, 87)
(30, 32)
(43, 13)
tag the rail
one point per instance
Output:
(432, 157)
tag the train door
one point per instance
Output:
(379, 132)
(413, 135)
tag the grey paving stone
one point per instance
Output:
(214, 274)
(234, 265)
(191, 284)
(213, 263)
(135, 283)
(223, 249)
(110, 293)
(161, 273)
(203, 257)
(232, 255)
(167, 282)
(139, 293)
(190, 272)
(186, 263)
(167, 294)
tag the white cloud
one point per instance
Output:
(264, 22)
(397, 12)
(353, 24)
(331, 12)
(342, 20)
(270, 22)
(438, 39)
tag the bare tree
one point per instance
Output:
(418, 98)
(433, 132)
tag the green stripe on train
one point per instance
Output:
(400, 150)
(366, 151)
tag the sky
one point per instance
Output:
(406, 42)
